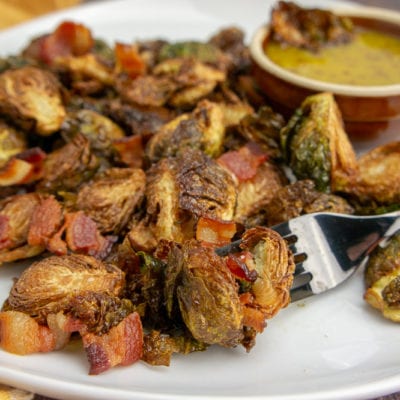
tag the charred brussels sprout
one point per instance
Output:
(207, 295)
(202, 129)
(31, 98)
(98, 129)
(382, 277)
(111, 198)
(49, 285)
(275, 267)
(315, 145)
(378, 181)
(68, 166)
(12, 142)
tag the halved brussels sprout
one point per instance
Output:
(316, 146)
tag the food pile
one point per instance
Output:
(123, 168)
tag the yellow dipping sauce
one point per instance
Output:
(372, 58)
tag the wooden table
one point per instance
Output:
(17, 11)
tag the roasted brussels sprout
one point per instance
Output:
(49, 285)
(382, 278)
(112, 197)
(263, 128)
(178, 192)
(202, 129)
(31, 97)
(300, 198)
(256, 193)
(316, 146)
(275, 266)
(231, 41)
(15, 219)
(178, 82)
(310, 28)
(98, 129)
(12, 142)
(207, 295)
(378, 181)
(67, 167)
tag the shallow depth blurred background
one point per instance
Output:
(16, 11)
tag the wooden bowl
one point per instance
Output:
(369, 112)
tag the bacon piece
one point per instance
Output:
(69, 38)
(81, 236)
(243, 163)
(130, 150)
(128, 60)
(46, 221)
(238, 266)
(24, 168)
(21, 334)
(122, 345)
(34, 156)
(213, 231)
(15, 172)
(252, 316)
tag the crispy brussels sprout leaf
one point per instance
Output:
(316, 146)
(382, 277)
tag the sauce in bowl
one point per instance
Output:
(372, 58)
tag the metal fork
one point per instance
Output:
(329, 247)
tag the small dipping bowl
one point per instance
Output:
(369, 112)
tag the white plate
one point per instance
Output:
(330, 347)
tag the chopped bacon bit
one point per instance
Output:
(131, 150)
(15, 172)
(46, 221)
(216, 232)
(237, 265)
(252, 316)
(122, 345)
(21, 334)
(81, 234)
(34, 156)
(128, 60)
(69, 38)
(24, 168)
(243, 163)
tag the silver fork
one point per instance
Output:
(329, 247)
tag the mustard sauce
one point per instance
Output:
(372, 58)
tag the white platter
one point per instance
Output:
(330, 347)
